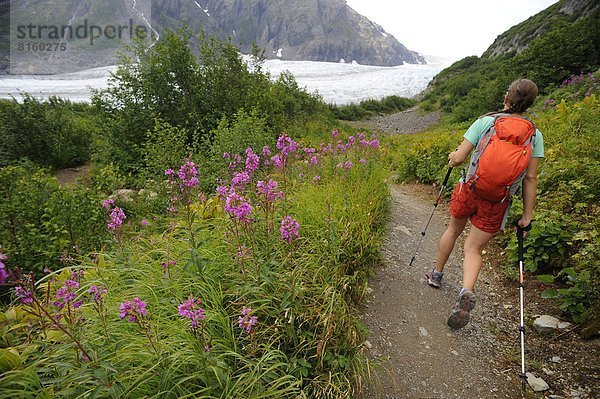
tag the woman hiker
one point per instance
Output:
(487, 217)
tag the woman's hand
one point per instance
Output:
(457, 157)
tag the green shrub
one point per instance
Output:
(369, 108)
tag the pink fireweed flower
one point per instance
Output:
(133, 310)
(108, 203)
(190, 309)
(237, 207)
(169, 172)
(188, 174)
(116, 218)
(25, 296)
(340, 165)
(240, 179)
(144, 223)
(97, 292)
(226, 155)
(237, 159)
(278, 161)
(268, 190)
(374, 142)
(335, 134)
(66, 294)
(286, 145)
(243, 252)
(166, 265)
(246, 321)
(316, 179)
(3, 273)
(348, 165)
(289, 229)
(252, 161)
(314, 160)
(362, 161)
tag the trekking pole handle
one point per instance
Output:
(447, 176)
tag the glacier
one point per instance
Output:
(336, 83)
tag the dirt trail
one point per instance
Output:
(407, 318)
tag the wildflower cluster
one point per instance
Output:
(116, 216)
(66, 294)
(3, 272)
(289, 229)
(97, 293)
(246, 321)
(133, 310)
(191, 309)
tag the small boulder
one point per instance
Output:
(536, 383)
(546, 324)
(423, 332)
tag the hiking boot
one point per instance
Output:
(434, 278)
(460, 314)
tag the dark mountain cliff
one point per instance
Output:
(318, 30)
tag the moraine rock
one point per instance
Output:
(536, 383)
(547, 324)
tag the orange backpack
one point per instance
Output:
(500, 160)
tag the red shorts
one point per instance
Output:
(486, 216)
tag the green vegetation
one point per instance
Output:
(369, 108)
(142, 280)
(474, 86)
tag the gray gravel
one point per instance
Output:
(405, 122)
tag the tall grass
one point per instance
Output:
(306, 340)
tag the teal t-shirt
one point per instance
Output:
(479, 127)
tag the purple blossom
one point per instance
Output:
(348, 165)
(188, 174)
(362, 161)
(252, 161)
(278, 161)
(66, 294)
(314, 160)
(240, 179)
(246, 321)
(289, 229)
(116, 218)
(133, 310)
(190, 309)
(3, 273)
(286, 145)
(97, 293)
(25, 296)
(166, 265)
(169, 172)
(108, 203)
(316, 179)
(335, 134)
(268, 190)
(144, 223)
(243, 252)
(237, 206)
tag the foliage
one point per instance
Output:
(191, 93)
(43, 225)
(221, 299)
(369, 108)
(54, 133)
(474, 86)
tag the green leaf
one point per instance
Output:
(546, 278)
(9, 359)
(549, 294)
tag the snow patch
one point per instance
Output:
(206, 12)
(384, 34)
(278, 53)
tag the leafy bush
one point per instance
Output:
(42, 224)
(369, 108)
(54, 133)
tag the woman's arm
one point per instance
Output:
(458, 157)
(529, 191)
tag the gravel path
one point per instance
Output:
(405, 122)
(421, 356)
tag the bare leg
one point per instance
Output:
(448, 240)
(474, 244)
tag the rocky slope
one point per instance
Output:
(517, 38)
(317, 30)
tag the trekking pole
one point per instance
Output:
(437, 202)
(520, 231)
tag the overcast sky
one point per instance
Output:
(452, 29)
